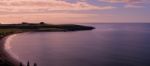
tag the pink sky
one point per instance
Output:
(74, 11)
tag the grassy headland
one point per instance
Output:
(7, 29)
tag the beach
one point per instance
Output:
(5, 58)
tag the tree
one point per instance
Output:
(42, 23)
(35, 64)
(28, 64)
(24, 23)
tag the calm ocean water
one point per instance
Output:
(107, 45)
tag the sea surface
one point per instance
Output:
(107, 45)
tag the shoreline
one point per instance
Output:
(5, 58)
(6, 30)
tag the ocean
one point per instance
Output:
(107, 45)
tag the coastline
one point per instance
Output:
(6, 30)
(5, 58)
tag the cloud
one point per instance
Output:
(46, 6)
(123, 1)
(48, 17)
(133, 6)
(128, 3)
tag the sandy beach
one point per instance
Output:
(5, 58)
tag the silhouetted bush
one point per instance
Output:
(35, 64)
(28, 63)
(20, 64)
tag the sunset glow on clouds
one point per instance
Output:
(128, 3)
(73, 10)
(46, 5)
(123, 1)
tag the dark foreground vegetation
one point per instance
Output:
(7, 29)
(28, 64)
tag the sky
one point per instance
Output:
(75, 11)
